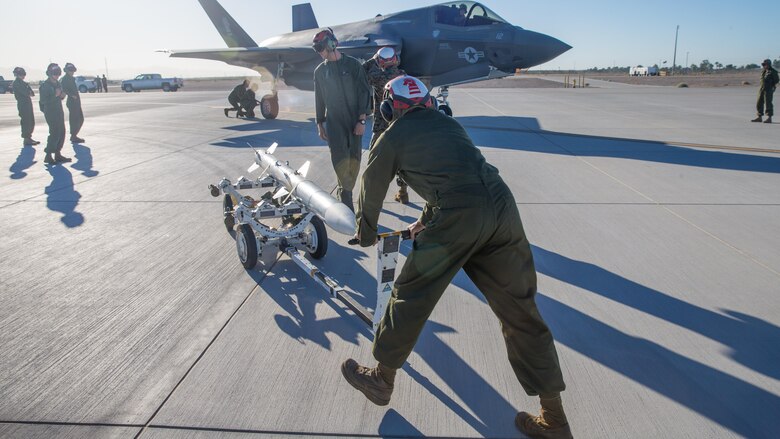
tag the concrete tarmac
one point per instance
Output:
(652, 212)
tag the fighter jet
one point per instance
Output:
(443, 45)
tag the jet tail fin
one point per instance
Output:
(303, 17)
(231, 32)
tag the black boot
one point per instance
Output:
(49, 159)
(61, 158)
(758, 119)
(768, 120)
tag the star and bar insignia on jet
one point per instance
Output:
(471, 55)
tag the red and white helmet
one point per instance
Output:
(386, 57)
(403, 94)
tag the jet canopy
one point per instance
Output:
(465, 13)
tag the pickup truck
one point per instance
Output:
(5, 86)
(85, 84)
(152, 81)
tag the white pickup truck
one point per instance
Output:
(152, 81)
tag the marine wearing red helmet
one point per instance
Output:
(402, 94)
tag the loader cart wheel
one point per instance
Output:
(316, 238)
(227, 210)
(246, 245)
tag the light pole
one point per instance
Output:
(674, 60)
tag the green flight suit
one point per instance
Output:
(769, 80)
(377, 79)
(472, 222)
(75, 114)
(23, 94)
(342, 95)
(51, 105)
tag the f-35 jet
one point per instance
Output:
(443, 45)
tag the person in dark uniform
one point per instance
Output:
(234, 98)
(75, 114)
(769, 80)
(105, 83)
(23, 94)
(248, 102)
(51, 96)
(342, 102)
(99, 84)
(380, 69)
(470, 221)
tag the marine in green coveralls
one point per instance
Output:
(769, 80)
(380, 69)
(343, 102)
(470, 221)
(75, 114)
(23, 94)
(51, 96)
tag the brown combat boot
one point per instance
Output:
(551, 423)
(61, 158)
(402, 196)
(376, 383)
(768, 120)
(758, 119)
(28, 141)
(49, 159)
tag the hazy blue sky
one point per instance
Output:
(124, 35)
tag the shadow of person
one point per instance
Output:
(61, 196)
(393, 425)
(525, 134)
(753, 342)
(84, 160)
(737, 405)
(24, 160)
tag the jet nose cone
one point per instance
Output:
(533, 48)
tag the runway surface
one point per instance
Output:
(653, 214)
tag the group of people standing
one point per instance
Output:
(243, 100)
(52, 92)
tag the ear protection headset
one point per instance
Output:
(325, 40)
(53, 69)
(403, 94)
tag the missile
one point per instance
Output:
(335, 214)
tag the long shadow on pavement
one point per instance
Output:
(24, 160)
(518, 133)
(61, 196)
(754, 343)
(84, 160)
(726, 400)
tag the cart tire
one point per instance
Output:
(246, 246)
(227, 210)
(318, 238)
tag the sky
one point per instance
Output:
(121, 39)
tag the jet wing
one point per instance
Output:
(250, 56)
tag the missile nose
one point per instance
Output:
(533, 48)
(341, 219)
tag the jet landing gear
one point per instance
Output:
(269, 106)
(441, 98)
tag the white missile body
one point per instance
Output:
(335, 214)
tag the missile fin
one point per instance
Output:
(303, 170)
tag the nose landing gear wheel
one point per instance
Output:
(269, 106)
